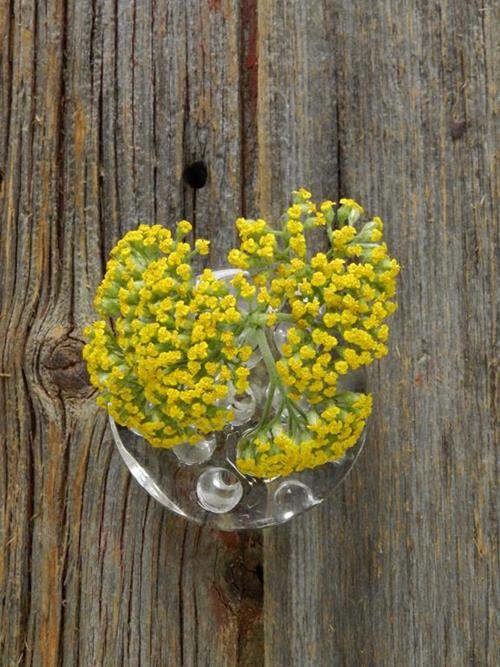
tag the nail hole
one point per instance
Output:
(457, 128)
(195, 175)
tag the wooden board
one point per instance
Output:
(103, 104)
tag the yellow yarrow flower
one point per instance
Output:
(184, 227)
(202, 246)
(353, 204)
(170, 350)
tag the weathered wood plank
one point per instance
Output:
(95, 134)
(296, 102)
(399, 567)
(102, 105)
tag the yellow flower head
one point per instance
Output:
(171, 350)
(202, 246)
(184, 227)
(353, 204)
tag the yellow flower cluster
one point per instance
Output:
(168, 350)
(258, 243)
(167, 362)
(332, 307)
(329, 434)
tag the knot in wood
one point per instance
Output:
(66, 368)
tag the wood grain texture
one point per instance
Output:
(102, 105)
(399, 567)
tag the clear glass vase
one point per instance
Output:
(202, 483)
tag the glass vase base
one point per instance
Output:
(202, 483)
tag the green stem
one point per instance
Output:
(267, 406)
(285, 317)
(297, 410)
(296, 414)
(267, 355)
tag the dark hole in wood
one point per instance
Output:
(259, 571)
(457, 128)
(195, 175)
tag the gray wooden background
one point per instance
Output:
(102, 105)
